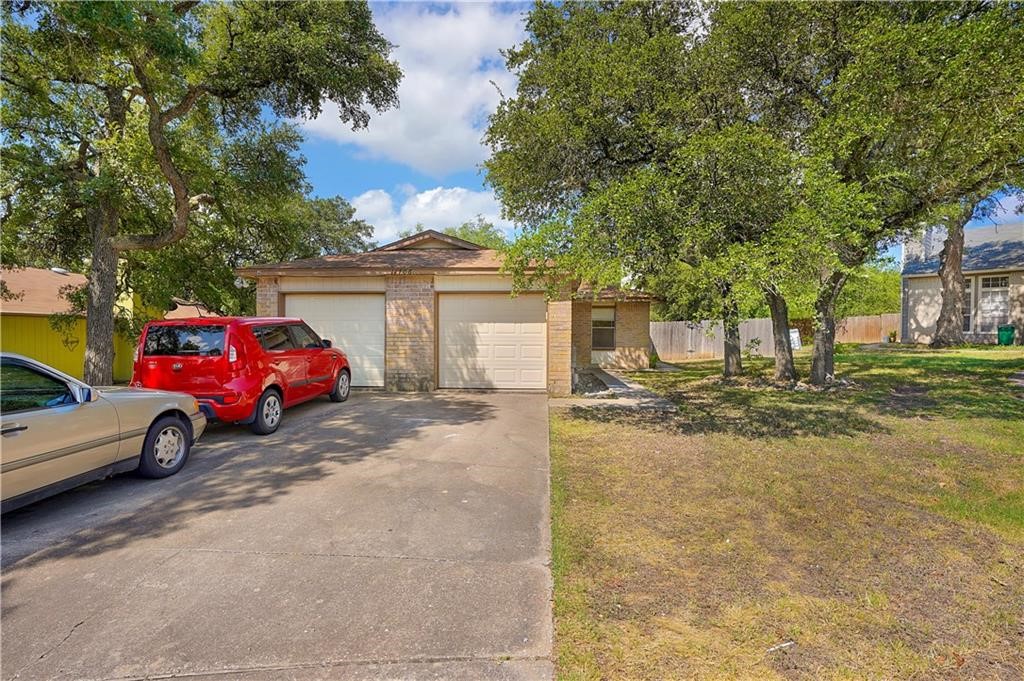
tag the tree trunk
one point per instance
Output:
(823, 356)
(949, 330)
(102, 290)
(731, 327)
(784, 367)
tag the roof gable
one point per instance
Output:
(430, 239)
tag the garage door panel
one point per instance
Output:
(354, 322)
(533, 352)
(491, 341)
(505, 351)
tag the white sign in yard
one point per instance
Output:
(794, 338)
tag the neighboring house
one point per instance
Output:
(993, 268)
(433, 311)
(25, 322)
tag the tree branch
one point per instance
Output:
(183, 203)
(181, 8)
(185, 105)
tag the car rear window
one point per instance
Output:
(203, 341)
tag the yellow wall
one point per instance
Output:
(33, 337)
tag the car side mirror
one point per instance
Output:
(326, 343)
(89, 395)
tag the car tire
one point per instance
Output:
(166, 449)
(269, 412)
(342, 386)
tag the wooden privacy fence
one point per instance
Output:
(867, 329)
(676, 341)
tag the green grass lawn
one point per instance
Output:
(878, 527)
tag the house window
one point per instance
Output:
(993, 303)
(602, 328)
(968, 304)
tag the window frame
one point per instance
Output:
(603, 325)
(312, 334)
(287, 332)
(1002, 287)
(74, 391)
(968, 313)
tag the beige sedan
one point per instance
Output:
(57, 432)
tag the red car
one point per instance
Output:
(241, 369)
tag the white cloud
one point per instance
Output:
(449, 58)
(434, 208)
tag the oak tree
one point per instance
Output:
(112, 114)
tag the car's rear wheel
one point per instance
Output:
(342, 386)
(166, 448)
(269, 411)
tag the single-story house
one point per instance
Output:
(433, 311)
(25, 322)
(993, 267)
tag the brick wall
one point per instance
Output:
(409, 351)
(560, 347)
(581, 332)
(633, 334)
(267, 297)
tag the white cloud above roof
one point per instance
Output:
(435, 208)
(451, 65)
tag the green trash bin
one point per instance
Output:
(1006, 334)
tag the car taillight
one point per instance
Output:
(232, 354)
(135, 357)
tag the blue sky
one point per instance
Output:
(419, 163)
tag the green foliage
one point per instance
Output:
(478, 231)
(760, 144)
(870, 290)
(201, 266)
(128, 127)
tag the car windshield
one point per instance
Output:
(204, 341)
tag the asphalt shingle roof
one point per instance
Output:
(998, 247)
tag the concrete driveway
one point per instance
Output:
(389, 537)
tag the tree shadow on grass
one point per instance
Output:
(740, 412)
(230, 469)
(912, 384)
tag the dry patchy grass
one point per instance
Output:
(879, 528)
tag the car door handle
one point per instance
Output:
(14, 428)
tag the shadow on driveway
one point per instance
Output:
(230, 468)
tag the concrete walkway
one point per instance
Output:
(622, 393)
(389, 537)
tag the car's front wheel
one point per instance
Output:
(342, 386)
(166, 448)
(268, 413)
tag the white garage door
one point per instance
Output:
(354, 321)
(492, 341)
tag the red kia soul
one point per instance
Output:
(241, 369)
